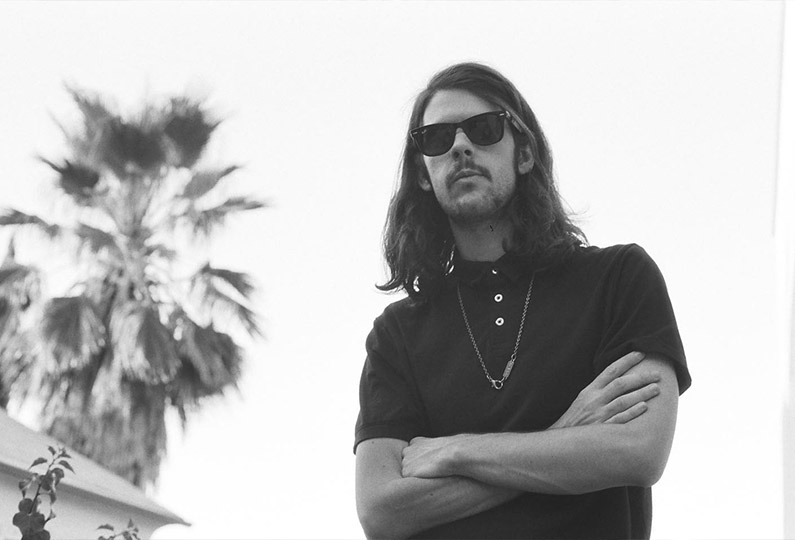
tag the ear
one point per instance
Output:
(425, 182)
(422, 174)
(526, 161)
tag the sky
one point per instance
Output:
(662, 118)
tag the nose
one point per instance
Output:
(461, 144)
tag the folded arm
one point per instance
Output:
(391, 506)
(570, 460)
(400, 492)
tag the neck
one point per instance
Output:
(481, 241)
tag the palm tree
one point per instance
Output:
(132, 337)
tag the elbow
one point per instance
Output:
(646, 473)
(378, 523)
(647, 465)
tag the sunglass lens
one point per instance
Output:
(485, 129)
(436, 140)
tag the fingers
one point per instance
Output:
(628, 415)
(629, 383)
(630, 405)
(618, 368)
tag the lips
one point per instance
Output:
(464, 173)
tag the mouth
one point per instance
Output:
(466, 173)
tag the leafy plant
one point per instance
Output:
(147, 323)
(30, 520)
(130, 533)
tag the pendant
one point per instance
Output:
(497, 385)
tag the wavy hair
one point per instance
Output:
(418, 241)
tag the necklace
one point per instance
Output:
(497, 384)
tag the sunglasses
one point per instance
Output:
(483, 129)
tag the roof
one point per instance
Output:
(20, 445)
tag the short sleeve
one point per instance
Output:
(640, 316)
(389, 404)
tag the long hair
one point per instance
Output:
(418, 242)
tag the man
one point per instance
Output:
(528, 386)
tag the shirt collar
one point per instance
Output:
(470, 272)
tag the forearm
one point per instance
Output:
(393, 506)
(580, 459)
(409, 505)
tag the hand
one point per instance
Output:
(614, 397)
(429, 457)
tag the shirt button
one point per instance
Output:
(498, 298)
(500, 321)
(494, 271)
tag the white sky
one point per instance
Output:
(662, 117)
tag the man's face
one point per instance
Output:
(472, 183)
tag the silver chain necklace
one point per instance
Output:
(497, 384)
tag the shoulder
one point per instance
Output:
(594, 260)
(615, 254)
(399, 314)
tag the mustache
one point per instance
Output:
(465, 167)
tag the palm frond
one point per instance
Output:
(10, 216)
(213, 354)
(71, 332)
(206, 291)
(20, 284)
(144, 347)
(204, 181)
(90, 140)
(75, 179)
(11, 253)
(241, 282)
(18, 359)
(131, 148)
(129, 438)
(94, 110)
(96, 239)
(188, 129)
(160, 250)
(203, 222)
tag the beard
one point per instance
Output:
(476, 205)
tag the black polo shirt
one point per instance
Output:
(422, 376)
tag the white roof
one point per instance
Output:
(20, 445)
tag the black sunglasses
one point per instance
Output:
(483, 129)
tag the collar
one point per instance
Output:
(509, 265)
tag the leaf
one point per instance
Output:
(51, 516)
(20, 284)
(21, 520)
(25, 505)
(210, 353)
(188, 129)
(239, 281)
(72, 331)
(75, 179)
(130, 524)
(204, 181)
(205, 220)
(51, 449)
(66, 464)
(38, 461)
(106, 526)
(96, 239)
(9, 216)
(131, 146)
(145, 348)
